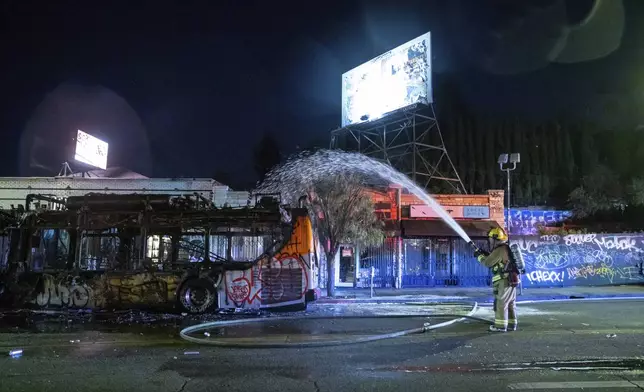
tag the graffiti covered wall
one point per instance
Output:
(582, 259)
(526, 221)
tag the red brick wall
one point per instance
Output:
(497, 206)
(494, 199)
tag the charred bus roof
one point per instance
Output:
(158, 212)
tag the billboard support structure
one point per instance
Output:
(65, 170)
(410, 141)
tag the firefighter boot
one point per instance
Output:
(497, 329)
(513, 323)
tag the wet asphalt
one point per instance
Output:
(559, 345)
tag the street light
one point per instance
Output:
(514, 158)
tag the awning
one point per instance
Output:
(438, 228)
(392, 228)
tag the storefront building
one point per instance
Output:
(421, 250)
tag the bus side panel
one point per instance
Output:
(284, 280)
(241, 289)
(106, 290)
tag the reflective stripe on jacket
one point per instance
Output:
(496, 261)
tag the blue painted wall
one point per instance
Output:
(525, 221)
(582, 259)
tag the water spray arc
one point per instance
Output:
(304, 169)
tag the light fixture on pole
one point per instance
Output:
(513, 159)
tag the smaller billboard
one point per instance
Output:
(91, 150)
(457, 212)
(476, 212)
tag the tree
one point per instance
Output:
(588, 157)
(491, 152)
(266, 155)
(601, 190)
(469, 158)
(342, 212)
(566, 167)
(520, 195)
(635, 192)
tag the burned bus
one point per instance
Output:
(106, 251)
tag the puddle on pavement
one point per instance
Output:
(25, 321)
(138, 321)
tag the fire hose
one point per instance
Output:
(186, 332)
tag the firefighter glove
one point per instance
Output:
(480, 252)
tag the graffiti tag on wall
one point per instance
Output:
(526, 222)
(582, 259)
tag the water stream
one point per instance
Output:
(292, 177)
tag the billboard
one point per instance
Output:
(391, 81)
(91, 150)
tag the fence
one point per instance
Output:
(432, 262)
(382, 260)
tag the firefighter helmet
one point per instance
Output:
(498, 234)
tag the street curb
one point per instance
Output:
(487, 299)
(589, 299)
(213, 342)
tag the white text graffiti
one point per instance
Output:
(613, 242)
(540, 276)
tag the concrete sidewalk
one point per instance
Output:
(479, 294)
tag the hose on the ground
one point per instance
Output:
(185, 333)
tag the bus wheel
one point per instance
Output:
(197, 296)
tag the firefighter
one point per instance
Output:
(505, 293)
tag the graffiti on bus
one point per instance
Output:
(279, 279)
(105, 290)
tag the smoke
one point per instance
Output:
(595, 36)
(532, 34)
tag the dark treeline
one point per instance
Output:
(557, 157)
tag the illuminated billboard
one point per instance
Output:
(91, 150)
(391, 81)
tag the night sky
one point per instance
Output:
(186, 88)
